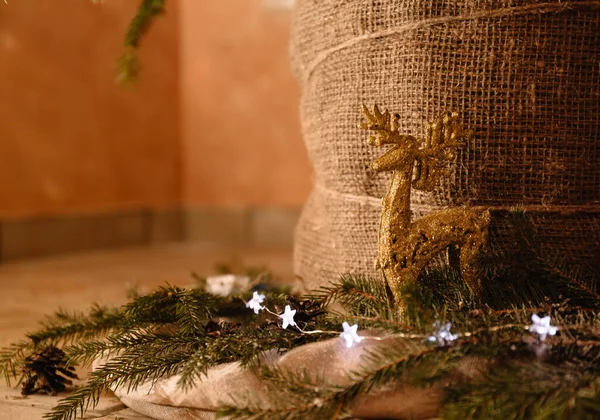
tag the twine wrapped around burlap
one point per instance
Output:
(524, 76)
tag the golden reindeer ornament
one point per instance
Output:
(406, 248)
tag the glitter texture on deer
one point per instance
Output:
(406, 248)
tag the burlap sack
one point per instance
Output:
(524, 75)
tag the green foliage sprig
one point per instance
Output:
(128, 64)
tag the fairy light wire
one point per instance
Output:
(441, 334)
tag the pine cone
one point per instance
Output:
(46, 370)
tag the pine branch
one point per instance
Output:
(359, 294)
(195, 367)
(586, 404)
(66, 327)
(133, 368)
(86, 352)
(442, 285)
(141, 356)
(193, 310)
(61, 327)
(580, 282)
(575, 280)
(385, 364)
(241, 344)
(524, 390)
(128, 65)
(170, 305)
(12, 359)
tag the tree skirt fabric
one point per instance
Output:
(330, 361)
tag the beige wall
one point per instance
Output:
(213, 121)
(71, 140)
(240, 128)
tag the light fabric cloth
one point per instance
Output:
(329, 360)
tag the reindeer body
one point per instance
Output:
(407, 248)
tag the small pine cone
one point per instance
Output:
(46, 370)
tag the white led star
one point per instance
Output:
(542, 326)
(442, 334)
(255, 302)
(350, 335)
(288, 317)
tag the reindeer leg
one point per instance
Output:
(388, 289)
(473, 248)
(469, 268)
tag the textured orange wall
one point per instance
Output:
(213, 120)
(240, 129)
(71, 140)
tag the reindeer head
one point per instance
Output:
(401, 155)
(429, 158)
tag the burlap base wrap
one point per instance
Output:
(330, 361)
(522, 74)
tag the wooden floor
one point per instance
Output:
(31, 289)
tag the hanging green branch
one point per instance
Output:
(128, 64)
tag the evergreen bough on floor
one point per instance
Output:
(188, 331)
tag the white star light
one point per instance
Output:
(542, 326)
(288, 317)
(350, 334)
(443, 334)
(255, 302)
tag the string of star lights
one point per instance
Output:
(349, 333)
(442, 334)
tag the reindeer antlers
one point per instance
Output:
(442, 139)
(432, 155)
(382, 123)
(377, 120)
(444, 134)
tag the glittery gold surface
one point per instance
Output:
(407, 248)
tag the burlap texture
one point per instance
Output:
(330, 361)
(524, 75)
